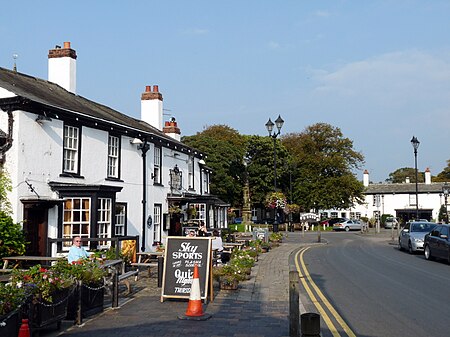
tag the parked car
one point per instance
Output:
(390, 223)
(347, 225)
(437, 243)
(332, 221)
(412, 235)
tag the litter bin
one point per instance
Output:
(310, 324)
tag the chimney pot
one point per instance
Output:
(66, 45)
(148, 88)
(155, 88)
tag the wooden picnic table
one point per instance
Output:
(28, 258)
(148, 260)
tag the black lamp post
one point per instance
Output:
(144, 147)
(269, 125)
(415, 143)
(445, 191)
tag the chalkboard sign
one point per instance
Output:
(182, 253)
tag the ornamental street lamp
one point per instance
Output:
(415, 143)
(269, 125)
(445, 191)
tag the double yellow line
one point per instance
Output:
(306, 282)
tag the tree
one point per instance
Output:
(445, 174)
(225, 148)
(322, 161)
(260, 167)
(5, 187)
(399, 176)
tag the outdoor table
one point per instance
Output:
(147, 259)
(232, 245)
(29, 258)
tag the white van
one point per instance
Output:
(390, 223)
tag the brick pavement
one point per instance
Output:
(259, 308)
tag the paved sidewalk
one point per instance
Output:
(259, 308)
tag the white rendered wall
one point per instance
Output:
(6, 93)
(152, 112)
(62, 71)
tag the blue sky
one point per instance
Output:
(378, 70)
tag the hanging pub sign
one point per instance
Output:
(181, 254)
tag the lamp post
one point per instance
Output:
(415, 143)
(143, 146)
(269, 126)
(445, 191)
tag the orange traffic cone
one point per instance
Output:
(195, 309)
(24, 330)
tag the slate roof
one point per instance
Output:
(53, 96)
(405, 188)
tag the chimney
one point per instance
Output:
(427, 176)
(171, 129)
(407, 180)
(366, 178)
(62, 67)
(152, 107)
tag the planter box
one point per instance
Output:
(92, 299)
(10, 324)
(229, 286)
(42, 313)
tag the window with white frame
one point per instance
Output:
(76, 218)
(191, 172)
(113, 156)
(358, 215)
(205, 182)
(334, 215)
(121, 219)
(157, 165)
(201, 211)
(104, 220)
(157, 222)
(412, 200)
(71, 149)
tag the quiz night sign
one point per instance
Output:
(182, 253)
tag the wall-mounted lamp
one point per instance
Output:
(201, 162)
(136, 141)
(40, 119)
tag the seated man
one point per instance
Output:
(76, 252)
(217, 244)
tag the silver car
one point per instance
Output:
(347, 225)
(412, 235)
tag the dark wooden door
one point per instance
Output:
(35, 228)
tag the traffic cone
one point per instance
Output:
(24, 330)
(194, 310)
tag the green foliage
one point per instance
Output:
(237, 227)
(444, 175)
(41, 282)
(5, 187)
(225, 148)
(321, 168)
(89, 271)
(12, 238)
(399, 176)
(276, 237)
(442, 216)
(260, 166)
(11, 298)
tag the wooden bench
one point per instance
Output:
(148, 265)
(124, 277)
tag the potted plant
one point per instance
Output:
(49, 291)
(90, 291)
(228, 276)
(11, 300)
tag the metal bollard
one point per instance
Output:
(310, 324)
(160, 270)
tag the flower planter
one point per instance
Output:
(229, 285)
(10, 324)
(92, 297)
(42, 313)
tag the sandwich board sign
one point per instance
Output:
(181, 254)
